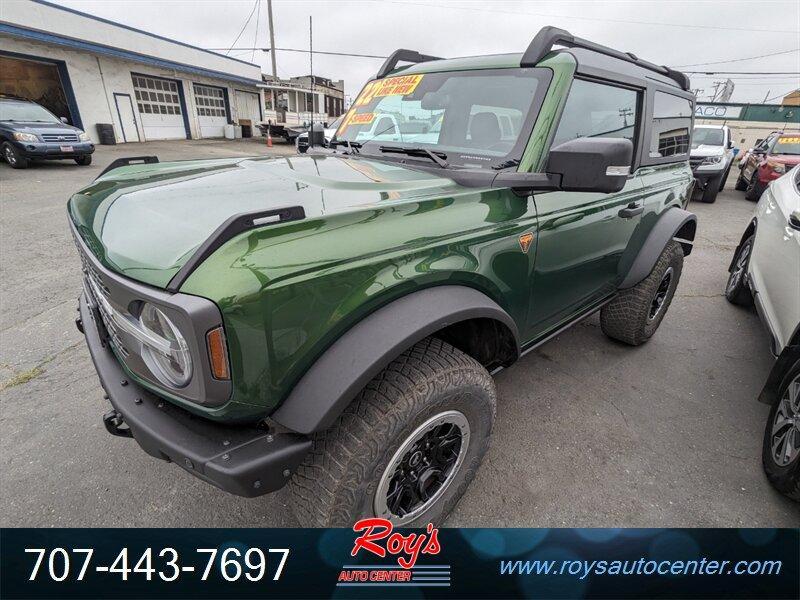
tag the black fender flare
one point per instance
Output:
(674, 223)
(785, 361)
(346, 367)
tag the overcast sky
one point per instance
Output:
(675, 33)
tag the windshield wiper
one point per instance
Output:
(351, 146)
(513, 162)
(437, 157)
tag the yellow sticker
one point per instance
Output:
(391, 86)
(362, 118)
(789, 140)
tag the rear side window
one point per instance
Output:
(598, 110)
(672, 120)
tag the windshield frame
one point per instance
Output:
(455, 158)
(8, 101)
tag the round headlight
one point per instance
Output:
(169, 360)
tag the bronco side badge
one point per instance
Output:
(525, 241)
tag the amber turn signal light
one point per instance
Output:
(218, 353)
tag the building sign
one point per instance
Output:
(718, 111)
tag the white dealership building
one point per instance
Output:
(94, 71)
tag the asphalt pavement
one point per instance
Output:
(589, 432)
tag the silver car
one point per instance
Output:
(765, 271)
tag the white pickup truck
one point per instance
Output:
(711, 158)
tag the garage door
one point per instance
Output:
(160, 108)
(247, 107)
(211, 113)
(34, 80)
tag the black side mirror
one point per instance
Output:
(591, 164)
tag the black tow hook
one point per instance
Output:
(79, 324)
(114, 421)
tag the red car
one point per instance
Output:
(770, 159)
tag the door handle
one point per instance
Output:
(794, 220)
(631, 210)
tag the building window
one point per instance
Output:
(156, 96)
(210, 101)
(598, 110)
(672, 120)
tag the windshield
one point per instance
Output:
(787, 145)
(336, 123)
(477, 118)
(702, 136)
(25, 111)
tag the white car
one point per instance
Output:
(711, 158)
(766, 271)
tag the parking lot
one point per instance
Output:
(589, 433)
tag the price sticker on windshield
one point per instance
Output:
(391, 86)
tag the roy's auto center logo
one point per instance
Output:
(401, 553)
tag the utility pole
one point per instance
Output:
(272, 40)
(311, 76)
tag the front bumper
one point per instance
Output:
(53, 151)
(244, 460)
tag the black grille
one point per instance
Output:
(60, 137)
(91, 276)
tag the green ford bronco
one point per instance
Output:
(333, 320)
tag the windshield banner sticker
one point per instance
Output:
(391, 86)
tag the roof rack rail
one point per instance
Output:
(411, 56)
(549, 36)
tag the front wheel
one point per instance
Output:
(781, 450)
(737, 290)
(754, 188)
(13, 157)
(84, 161)
(406, 448)
(741, 183)
(635, 314)
(711, 190)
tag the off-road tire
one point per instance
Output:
(724, 179)
(84, 161)
(740, 293)
(741, 184)
(785, 479)
(336, 484)
(13, 157)
(711, 190)
(627, 317)
(754, 188)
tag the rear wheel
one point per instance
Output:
(635, 314)
(736, 290)
(406, 448)
(13, 157)
(781, 449)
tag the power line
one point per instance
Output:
(719, 62)
(779, 95)
(743, 72)
(306, 51)
(630, 22)
(246, 23)
(255, 37)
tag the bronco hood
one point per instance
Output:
(146, 221)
